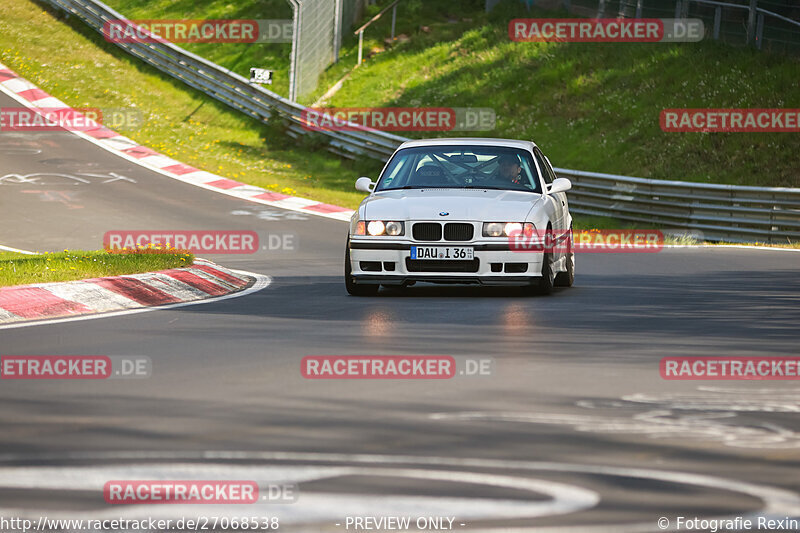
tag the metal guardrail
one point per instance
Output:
(718, 212)
(723, 212)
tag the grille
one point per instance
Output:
(454, 231)
(427, 231)
(422, 265)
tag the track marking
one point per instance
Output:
(675, 415)
(241, 192)
(17, 250)
(262, 282)
(777, 503)
(316, 505)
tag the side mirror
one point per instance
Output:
(559, 185)
(364, 184)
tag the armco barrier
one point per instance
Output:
(724, 212)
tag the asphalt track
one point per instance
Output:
(575, 430)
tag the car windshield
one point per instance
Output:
(461, 167)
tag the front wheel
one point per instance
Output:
(566, 279)
(354, 289)
(543, 285)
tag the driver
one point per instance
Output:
(509, 169)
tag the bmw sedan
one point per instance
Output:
(471, 211)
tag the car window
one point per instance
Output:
(488, 167)
(397, 171)
(549, 169)
(546, 172)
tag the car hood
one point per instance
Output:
(460, 204)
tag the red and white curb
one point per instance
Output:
(200, 281)
(32, 97)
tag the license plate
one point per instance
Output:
(442, 252)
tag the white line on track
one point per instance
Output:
(776, 502)
(16, 250)
(545, 497)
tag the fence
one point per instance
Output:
(774, 24)
(314, 44)
(720, 211)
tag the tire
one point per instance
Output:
(566, 279)
(544, 285)
(354, 289)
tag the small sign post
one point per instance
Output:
(261, 75)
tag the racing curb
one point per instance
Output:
(203, 279)
(33, 97)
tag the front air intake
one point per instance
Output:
(427, 231)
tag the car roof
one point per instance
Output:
(469, 141)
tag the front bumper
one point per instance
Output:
(389, 263)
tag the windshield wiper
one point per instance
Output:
(423, 187)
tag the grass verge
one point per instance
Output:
(590, 106)
(70, 265)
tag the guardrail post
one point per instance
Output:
(360, 46)
(759, 30)
(751, 21)
(394, 19)
(717, 21)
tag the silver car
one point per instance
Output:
(479, 211)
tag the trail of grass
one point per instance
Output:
(71, 265)
(12, 255)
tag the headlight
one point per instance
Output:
(493, 229)
(376, 228)
(394, 228)
(507, 229)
